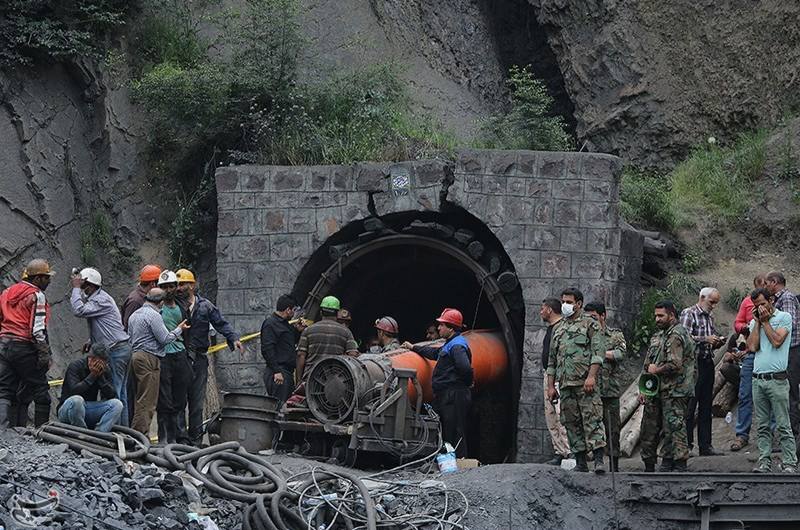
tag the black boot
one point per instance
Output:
(580, 462)
(679, 466)
(171, 425)
(649, 465)
(5, 410)
(599, 461)
(556, 461)
(667, 465)
(41, 414)
(613, 464)
(162, 429)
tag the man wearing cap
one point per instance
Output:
(278, 339)
(149, 335)
(176, 371)
(24, 344)
(90, 301)
(84, 380)
(388, 330)
(452, 378)
(326, 337)
(201, 315)
(148, 278)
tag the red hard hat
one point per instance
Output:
(387, 324)
(451, 316)
(149, 273)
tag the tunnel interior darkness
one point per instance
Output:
(413, 283)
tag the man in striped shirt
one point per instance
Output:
(785, 300)
(700, 324)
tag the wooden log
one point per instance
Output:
(655, 247)
(629, 435)
(629, 401)
(725, 400)
(719, 381)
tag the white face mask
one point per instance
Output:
(567, 310)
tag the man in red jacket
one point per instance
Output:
(24, 345)
(745, 314)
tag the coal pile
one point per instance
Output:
(98, 493)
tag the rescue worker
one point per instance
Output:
(670, 356)
(326, 337)
(201, 314)
(149, 335)
(431, 333)
(451, 379)
(278, 347)
(387, 330)
(24, 344)
(610, 379)
(550, 312)
(90, 301)
(84, 381)
(148, 278)
(576, 356)
(344, 317)
(175, 370)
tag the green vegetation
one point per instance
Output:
(645, 200)
(734, 298)
(53, 29)
(529, 123)
(681, 289)
(95, 236)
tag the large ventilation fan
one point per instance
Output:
(336, 383)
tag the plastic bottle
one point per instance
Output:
(729, 417)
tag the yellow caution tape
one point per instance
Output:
(212, 349)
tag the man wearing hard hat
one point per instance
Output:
(148, 278)
(387, 330)
(90, 301)
(326, 337)
(24, 344)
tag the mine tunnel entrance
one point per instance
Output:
(411, 270)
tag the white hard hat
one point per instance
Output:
(167, 277)
(92, 276)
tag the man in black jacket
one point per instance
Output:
(278, 347)
(84, 380)
(451, 379)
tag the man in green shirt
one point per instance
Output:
(176, 371)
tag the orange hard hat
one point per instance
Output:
(387, 324)
(149, 273)
(451, 316)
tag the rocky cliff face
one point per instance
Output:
(70, 153)
(651, 79)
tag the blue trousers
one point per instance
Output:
(97, 415)
(120, 357)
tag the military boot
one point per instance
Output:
(613, 464)
(41, 414)
(649, 465)
(667, 465)
(5, 410)
(580, 462)
(679, 466)
(599, 461)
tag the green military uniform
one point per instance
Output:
(392, 346)
(578, 343)
(611, 389)
(665, 413)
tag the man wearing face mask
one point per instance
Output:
(576, 356)
(149, 335)
(670, 356)
(24, 345)
(700, 324)
(551, 315)
(90, 301)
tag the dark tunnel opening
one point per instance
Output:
(412, 278)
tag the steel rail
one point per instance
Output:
(723, 478)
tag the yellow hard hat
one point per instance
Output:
(185, 275)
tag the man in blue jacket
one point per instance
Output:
(452, 378)
(200, 313)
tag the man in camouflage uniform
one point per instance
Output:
(671, 357)
(610, 388)
(576, 355)
(387, 330)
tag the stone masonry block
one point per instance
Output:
(529, 440)
(254, 179)
(494, 185)
(588, 266)
(503, 163)
(599, 215)
(600, 191)
(551, 165)
(302, 220)
(355, 212)
(517, 186)
(290, 199)
(527, 263)
(231, 275)
(320, 178)
(527, 162)
(372, 177)
(312, 200)
(229, 223)
(573, 239)
(470, 161)
(261, 275)
(543, 212)
(534, 291)
(511, 236)
(568, 189)
(231, 301)
(496, 211)
(289, 246)
(252, 248)
(274, 221)
(556, 265)
(258, 301)
(519, 210)
(227, 179)
(567, 213)
(601, 167)
(265, 199)
(428, 172)
(329, 221)
(475, 204)
(540, 188)
(289, 178)
(473, 183)
(603, 239)
(542, 238)
(343, 178)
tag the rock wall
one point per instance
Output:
(649, 80)
(70, 153)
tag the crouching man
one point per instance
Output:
(84, 380)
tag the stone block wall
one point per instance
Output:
(556, 215)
